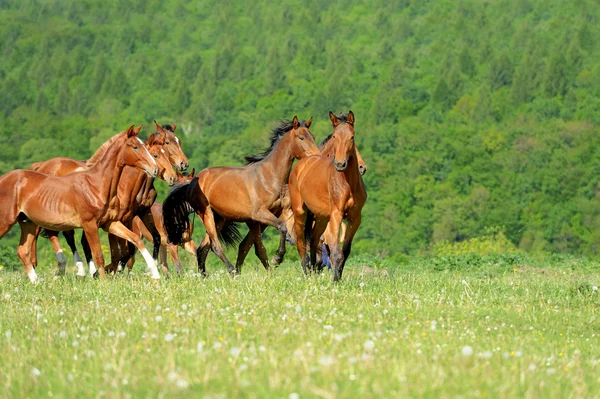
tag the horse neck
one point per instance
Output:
(109, 170)
(279, 162)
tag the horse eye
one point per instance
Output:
(301, 138)
(135, 147)
(155, 155)
(352, 138)
(167, 143)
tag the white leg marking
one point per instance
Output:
(32, 276)
(120, 267)
(151, 264)
(79, 265)
(92, 268)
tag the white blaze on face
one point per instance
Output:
(177, 140)
(147, 152)
(32, 276)
(151, 264)
(93, 268)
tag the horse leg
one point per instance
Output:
(70, 237)
(162, 255)
(87, 251)
(148, 222)
(212, 230)
(28, 232)
(243, 249)
(61, 260)
(353, 225)
(332, 239)
(259, 248)
(202, 253)
(299, 223)
(92, 241)
(118, 229)
(315, 240)
(116, 253)
(34, 260)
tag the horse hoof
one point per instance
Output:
(96, 274)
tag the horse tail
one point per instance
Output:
(176, 208)
(44, 233)
(230, 234)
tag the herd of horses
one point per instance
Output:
(114, 191)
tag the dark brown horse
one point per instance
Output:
(87, 199)
(331, 189)
(242, 194)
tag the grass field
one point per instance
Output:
(428, 328)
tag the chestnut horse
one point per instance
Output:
(220, 195)
(87, 199)
(285, 213)
(159, 225)
(331, 189)
(61, 166)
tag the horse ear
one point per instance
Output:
(137, 130)
(193, 173)
(295, 122)
(157, 126)
(333, 119)
(351, 118)
(178, 173)
(308, 122)
(174, 125)
(129, 131)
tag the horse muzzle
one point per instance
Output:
(340, 166)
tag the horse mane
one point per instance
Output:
(169, 128)
(322, 144)
(285, 125)
(103, 149)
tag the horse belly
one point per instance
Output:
(51, 210)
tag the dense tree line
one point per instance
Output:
(470, 114)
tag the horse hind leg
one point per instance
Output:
(202, 254)
(259, 248)
(243, 249)
(61, 259)
(70, 237)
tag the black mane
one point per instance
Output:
(322, 144)
(278, 132)
(168, 127)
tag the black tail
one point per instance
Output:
(176, 209)
(230, 234)
(44, 233)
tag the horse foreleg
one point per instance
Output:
(87, 251)
(332, 240)
(118, 229)
(353, 224)
(92, 241)
(70, 237)
(202, 253)
(315, 241)
(28, 233)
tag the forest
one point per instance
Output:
(476, 118)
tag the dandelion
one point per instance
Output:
(326, 360)
(184, 307)
(235, 351)
(294, 395)
(200, 346)
(369, 345)
(75, 344)
(170, 337)
(36, 372)
(158, 319)
(111, 333)
(8, 334)
(217, 345)
(486, 355)
(467, 351)
(182, 384)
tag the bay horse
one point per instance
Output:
(285, 214)
(331, 189)
(220, 195)
(86, 199)
(129, 184)
(140, 228)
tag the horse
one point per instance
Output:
(130, 179)
(220, 195)
(328, 189)
(285, 213)
(86, 199)
(140, 228)
(139, 193)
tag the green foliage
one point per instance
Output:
(469, 114)
(494, 241)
